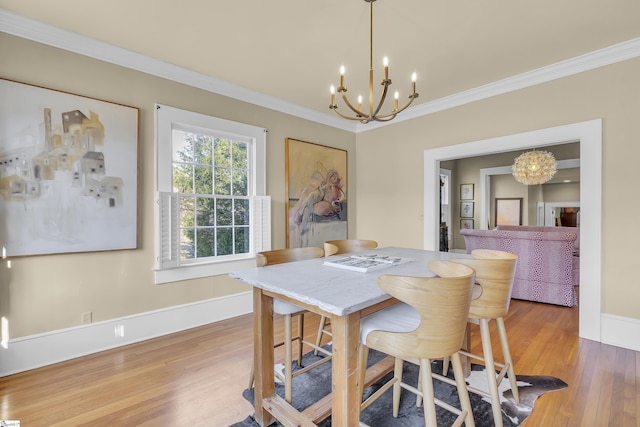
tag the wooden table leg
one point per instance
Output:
(263, 354)
(346, 400)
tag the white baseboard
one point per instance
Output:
(620, 331)
(33, 351)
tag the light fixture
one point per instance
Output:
(374, 111)
(534, 167)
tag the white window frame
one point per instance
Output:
(168, 267)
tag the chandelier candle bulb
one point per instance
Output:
(342, 76)
(396, 96)
(385, 61)
(333, 95)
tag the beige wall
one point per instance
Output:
(45, 293)
(390, 162)
(569, 192)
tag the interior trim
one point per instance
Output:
(589, 61)
(30, 29)
(37, 31)
(589, 135)
(34, 351)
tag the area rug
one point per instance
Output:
(310, 386)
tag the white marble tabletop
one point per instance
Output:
(336, 290)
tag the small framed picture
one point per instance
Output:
(466, 209)
(509, 211)
(466, 224)
(466, 191)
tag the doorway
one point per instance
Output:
(566, 214)
(445, 209)
(589, 135)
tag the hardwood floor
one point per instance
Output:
(196, 377)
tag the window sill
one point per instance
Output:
(196, 271)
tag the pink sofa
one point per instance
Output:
(546, 262)
(576, 244)
(575, 269)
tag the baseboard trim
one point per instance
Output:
(34, 351)
(620, 331)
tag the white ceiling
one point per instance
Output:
(292, 49)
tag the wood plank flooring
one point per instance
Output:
(196, 377)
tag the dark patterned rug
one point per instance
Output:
(310, 386)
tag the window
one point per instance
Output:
(212, 215)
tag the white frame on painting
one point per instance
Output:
(68, 172)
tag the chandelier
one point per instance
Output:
(534, 167)
(374, 111)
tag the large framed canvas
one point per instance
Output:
(68, 172)
(316, 187)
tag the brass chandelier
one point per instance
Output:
(374, 111)
(534, 167)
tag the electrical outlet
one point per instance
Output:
(86, 317)
(119, 331)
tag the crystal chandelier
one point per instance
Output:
(534, 167)
(374, 111)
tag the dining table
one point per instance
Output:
(343, 296)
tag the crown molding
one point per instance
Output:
(599, 58)
(30, 29)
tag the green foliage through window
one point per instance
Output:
(212, 176)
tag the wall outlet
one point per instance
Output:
(119, 331)
(86, 317)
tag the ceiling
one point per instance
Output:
(292, 49)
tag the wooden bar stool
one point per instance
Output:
(429, 323)
(494, 279)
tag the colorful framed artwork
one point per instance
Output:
(68, 172)
(466, 209)
(316, 188)
(509, 211)
(466, 191)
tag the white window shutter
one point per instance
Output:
(169, 247)
(261, 220)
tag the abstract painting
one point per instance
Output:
(316, 187)
(68, 172)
